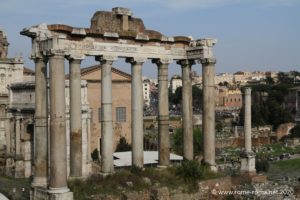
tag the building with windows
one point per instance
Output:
(121, 104)
(20, 129)
(230, 98)
(146, 91)
(175, 82)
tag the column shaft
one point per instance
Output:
(208, 119)
(18, 136)
(58, 149)
(75, 119)
(106, 123)
(137, 114)
(247, 122)
(163, 115)
(41, 125)
(187, 112)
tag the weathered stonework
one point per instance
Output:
(112, 35)
(21, 107)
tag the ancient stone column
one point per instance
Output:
(248, 156)
(208, 119)
(137, 104)
(106, 118)
(58, 145)
(247, 122)
(18, 136)
(163, 112)
(187, 111)
(40, 177)
(75, 119)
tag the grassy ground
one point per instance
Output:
(15, 188)
(284, 168)
(134, 180)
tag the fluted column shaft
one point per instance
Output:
(106, 118)
(163, 113)
(187, 111)
(208, 119)
(247, 122)
(137, 103)
(58, 145)
(40, 177)
(75, 119)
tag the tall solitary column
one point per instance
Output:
(187, 111)
(248, 156)
(137, 103)
(247, 122)
(208, 119)
(106, 118)
(75, 119)
(58, 145)
(40, 177)
(163, 112)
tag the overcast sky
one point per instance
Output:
(252, 34)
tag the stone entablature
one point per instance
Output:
(114, 41)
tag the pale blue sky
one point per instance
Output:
(252, 34)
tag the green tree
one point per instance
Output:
(178, 141)
(197, 95)
(123, 145)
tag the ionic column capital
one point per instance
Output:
(162, 61)
(39, 58)
(106, 59)
(136, 60)
(185, 63)
(247, 91)
(208, 61)
(75, 58)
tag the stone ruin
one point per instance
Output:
(3, 44)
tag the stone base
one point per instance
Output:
(61, 196)
(39, 193)
(248, 163)
(162, 166)
(213, 168)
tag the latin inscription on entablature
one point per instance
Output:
(125, 50)
(100, 47)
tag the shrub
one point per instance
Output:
(95, 155)
(123, 145)
(262, 165)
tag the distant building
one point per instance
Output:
(146, 91)
(272, 74)
(175, 82)
(20, 129)
(230, 98)
(224, 77)
(241, 77)
(121, 104)
(258, 75)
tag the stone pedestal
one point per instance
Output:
(248, 163)
(40, 193)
